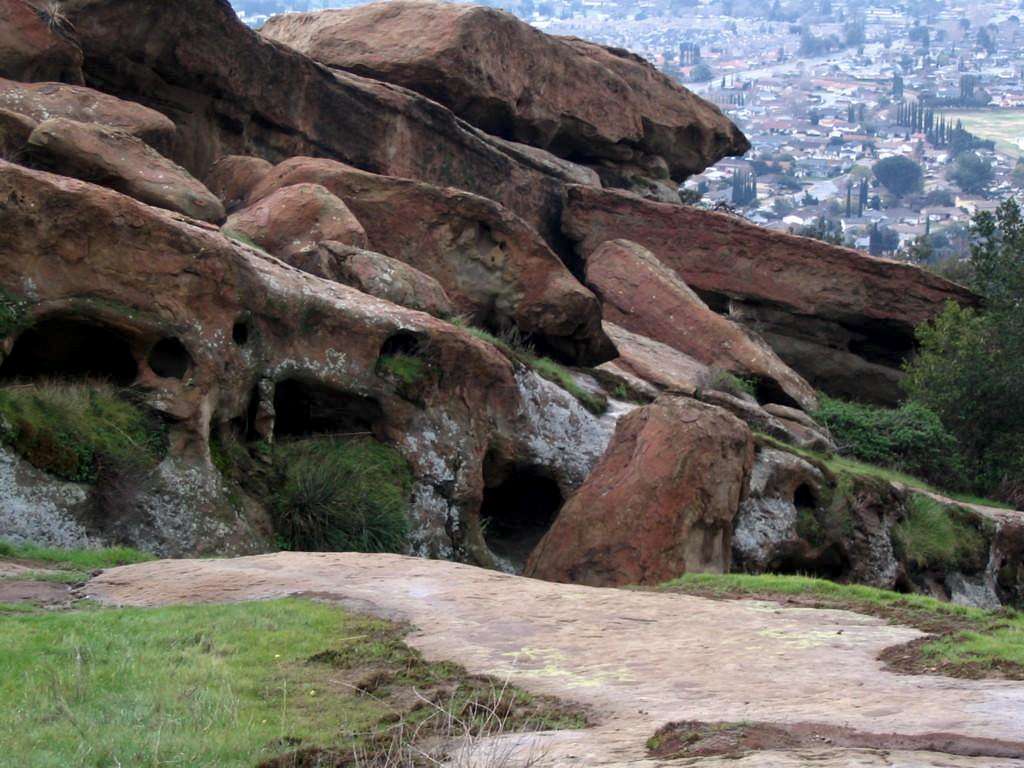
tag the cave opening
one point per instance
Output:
(304, 408)
(768, 391)
(169, 359)
(69, 348)
(804, 498)
(519, 506)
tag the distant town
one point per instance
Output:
(884, 126)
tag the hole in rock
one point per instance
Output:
(768, 391)
(804, 498)
(518, 509)
(169, 359)
(71, 348)
(305, 408)
(240, 332)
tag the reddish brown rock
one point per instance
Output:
(642, 295)
(838, 301)
(231, 92)
(118, 160)
(295, 218)
(232, 178)
(490, 262)
(375, 274)
(657, 364)
(659, 504)
(511, 79)
(14, 132)
(35, 44)
(42, 101)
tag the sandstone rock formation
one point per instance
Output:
(512, 80)
(659, 504)
(491, 263)
(642, 295)
(36, 45)
(116, 159)
(243, 329)
(796, 292)
(42, 101)
(295, 218)
(233, 177)
(375, 274)
(15, 129)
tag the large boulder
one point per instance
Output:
(492, 264)
(233, 177)
(15, 130)
(36, 43)
(512, 80)
(295, 218)
(116, 159)
(232, 92)
(42, 101)
(660, 503)
(831, 301)
(641, 294)
(375, 274)
(217, 337)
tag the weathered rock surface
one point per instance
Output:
(375, 274)
(870, 306)
(512, 80)
(248, 330)
(116, 159)
(233, 177)
(491, 263)
(642, 295)
(231, 92)
(796, 432)
(42, 101)
(15, 129)
(660, 503)
(295, 218)
(658, 365)
(35, 45)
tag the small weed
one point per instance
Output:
(731, 384)
(408, 369)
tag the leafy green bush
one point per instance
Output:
(908, 439)
(78, 430)
(935, 536)
(340, 495)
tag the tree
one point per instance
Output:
(900, 175)
(971, 173)
(970, 368)
(702, 73)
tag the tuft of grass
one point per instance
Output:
(76, 430)
(68, 566)
(230, 686)
(341, 495)
(966, 642)
(730, 383)
(408, 369)
(937, 536)
(518, 350)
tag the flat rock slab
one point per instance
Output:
(637, 659)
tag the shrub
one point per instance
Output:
(938, 537)
(908, 439)
(77, 431)
(341, 495)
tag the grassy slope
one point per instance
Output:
(221, 686)
(968, 641)
(69, 565)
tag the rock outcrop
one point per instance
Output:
(512, 80)
(233, 177)
(493, 266)
(238, 330)
(36, 43)
(375, 274)
(844, 309)
(116, 159)
(659, 504)
(295, 218)
(641, 294)
(43, 101)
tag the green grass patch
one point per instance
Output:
(76, 430)
(730, 383)
(967, 642)
(408, 369)
(936, 536)
(340, 495)
(69, 566)
(519, 351)
(229, 686)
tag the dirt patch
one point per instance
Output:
(43, 593)
(698, 739)
(908, 658)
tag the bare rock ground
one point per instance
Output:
(637, 659)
